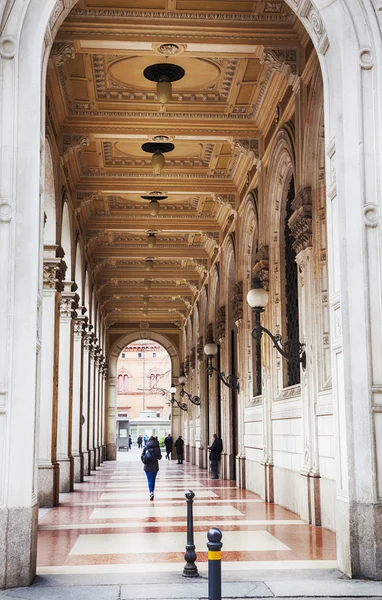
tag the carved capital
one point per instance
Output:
(54, 270)
(69, 301)
(247, 147)
(220, 323)
(237, 300)
(187, 365)
(300, 223)
(261, 266)
(62, 52)
(282, 61)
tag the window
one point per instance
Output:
(125, 383)
(154, 354)
(139, 354)
(292, 369)
(120, 384)
(123, 355)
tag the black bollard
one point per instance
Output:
(214, 546)
(190, 569)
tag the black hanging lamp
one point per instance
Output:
(164, 74)
(157, 149)
(154, 206)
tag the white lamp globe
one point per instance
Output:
(173, 389)
(182, 379)
(257, 297)
(211, 349)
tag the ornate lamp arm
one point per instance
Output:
(181, 405)
(194, 399)
(291, 349)
(230, 381)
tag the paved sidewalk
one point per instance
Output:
(330, 585)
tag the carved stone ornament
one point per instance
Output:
(247, 147)
(300, 223)
(187, 365)
(53, 273)
(261, 266)
(237, 301)
(200, 349)
(193, 358)
(209, 333)
(282, 61)
(220, 323)
(68, 305)
(62, 52)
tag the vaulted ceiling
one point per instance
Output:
(221, 118)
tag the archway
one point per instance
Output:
(350, 50)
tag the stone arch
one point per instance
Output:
(111, 394)
(79, 273)
(66, 240)
(50, 228)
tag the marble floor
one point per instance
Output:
(108, 525)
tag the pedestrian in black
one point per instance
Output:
(168, 444)
(150, 456)
(215, 449)
(179, 449)
(139, 441)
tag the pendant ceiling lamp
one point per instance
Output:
(147, 284)
(164, 74)
(146, 299)
(157, 149)
(154, 206)
(149, 263)
(151, 240)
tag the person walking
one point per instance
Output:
(215, 449)
(179, 444)
(139, 441)
(150, 457)
(168, 444)
(130, 442)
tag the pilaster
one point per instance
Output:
(85, 403)
(237, 302)
(78, 327)
(68, 303)
(48, 469)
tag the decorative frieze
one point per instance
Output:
(193, 358)
(237, 301)
(261, 266)
(220, 323)
(300, 223)
(200, 349)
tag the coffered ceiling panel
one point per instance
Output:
(240, 59)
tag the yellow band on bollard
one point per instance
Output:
(214, 555)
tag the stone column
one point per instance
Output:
(85, 403)
(92, 465)
(96, 408)
(48, 468)
(77, 399)
(300, 225)
(103, 420)
(69, 300)
(237, 302)
(204, 407)
(111, 447)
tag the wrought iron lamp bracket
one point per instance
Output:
(193, 399)
(231, 381)
(181, 405)
(292, 350)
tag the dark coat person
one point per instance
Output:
(215, 449)
(179, 445)
(150, 456)
(168, 444)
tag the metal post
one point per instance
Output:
(214, 546)
(190, 569)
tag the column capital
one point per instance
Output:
(54, 267)
(300, 223)
(193, 358)
(61, 52)
(261, 266)
(220, 323)
(237, 301)
(284, 62)
(69, 300)
(200, 349)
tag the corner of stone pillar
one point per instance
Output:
(48, 485)
(268, 483)
(111, 452)
(240, 471)
(18, 545)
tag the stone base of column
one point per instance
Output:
(84, 464)
(48, 485)
(314, 500)
(92, 464)
(98, 456)
(77, 468)
(202, 458)
(104, 452)
(268, 483)
(18, 544)
(240, 471)
(66, 474)
(101, 458)
(111, 452)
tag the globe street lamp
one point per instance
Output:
(182, 382)
(231, 381)
(291, 349)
